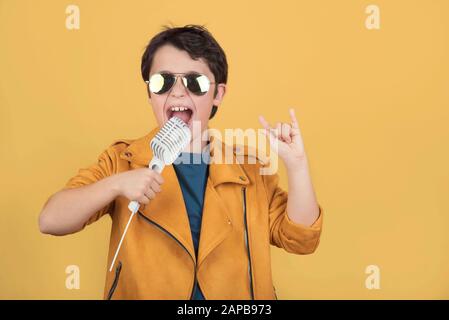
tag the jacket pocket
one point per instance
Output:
(118, 269)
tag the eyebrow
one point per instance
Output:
(168, 71)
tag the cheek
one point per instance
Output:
(157, 102)
(204, 107)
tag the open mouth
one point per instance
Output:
(182, 112)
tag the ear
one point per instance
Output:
(221, 91)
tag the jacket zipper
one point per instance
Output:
(250, 272)
(118, 269)
(170, 235)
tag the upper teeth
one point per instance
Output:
(178, 108)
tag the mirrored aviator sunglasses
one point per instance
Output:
(196, 83)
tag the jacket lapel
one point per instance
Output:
(169, 212)
(216, 223)
(168, 208)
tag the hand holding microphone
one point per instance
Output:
(167, 145)
(141, 185)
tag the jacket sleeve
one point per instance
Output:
(284, 233)
(104, 166)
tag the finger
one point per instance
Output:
(150, 194)
(264, 123)
(270, 134)
(144, 199)
(272, 139)
(278, 130)
(158, 177)
(285, 132)
(295, 132)
(295, 124)
(155, 186)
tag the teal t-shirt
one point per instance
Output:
(192, 170)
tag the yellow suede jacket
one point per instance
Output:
(244, 212)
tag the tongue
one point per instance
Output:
(183, 115)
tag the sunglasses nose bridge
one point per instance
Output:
(178, 88)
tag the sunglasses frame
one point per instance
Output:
(180, 75)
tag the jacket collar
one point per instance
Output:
(220, 171)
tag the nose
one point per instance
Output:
(178, 89)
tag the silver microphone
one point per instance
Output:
(167, 145)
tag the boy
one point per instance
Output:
(204, 229)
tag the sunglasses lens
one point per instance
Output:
(161, 82)
(197, 84)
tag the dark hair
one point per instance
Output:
(198, 42)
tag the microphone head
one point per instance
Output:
(168, 143)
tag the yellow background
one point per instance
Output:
(372, 107)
